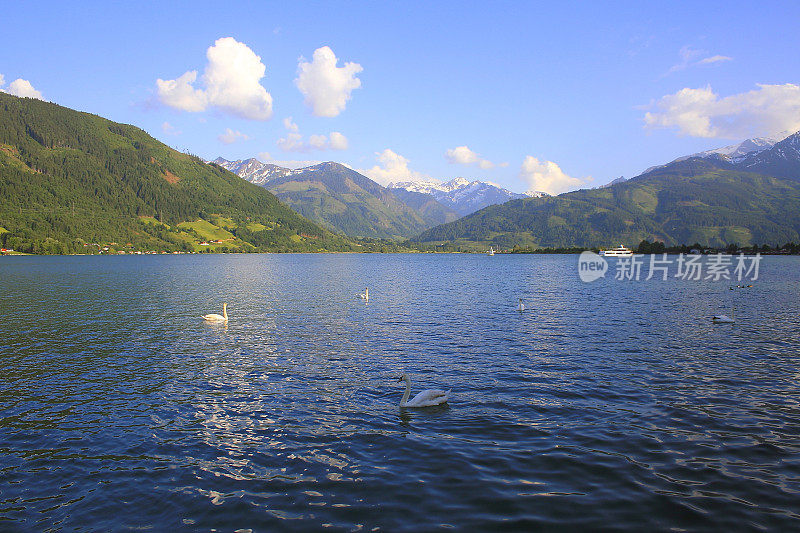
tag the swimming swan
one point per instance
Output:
(426, 398)
(724, 319)
(364, 295)
(213, 317)
(521, 306)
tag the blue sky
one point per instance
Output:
(527, 95)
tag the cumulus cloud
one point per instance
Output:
(325, 86)
(462, 155)
(289, 125)
(230, 83)
(547, 176)
(392, 167)
(690, 57)
(338, 141)
(230, 136)
(20, 87)
(768, 110)
(294, 141)
(169, 129)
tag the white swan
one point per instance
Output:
(426, 398)
(521, 306)
(364, 295)
(213, 317)
(724, 319)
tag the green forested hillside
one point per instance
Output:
(350, 203)
(693, 201)
(70, 181)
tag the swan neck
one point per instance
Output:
(407, 393)
(225, 311)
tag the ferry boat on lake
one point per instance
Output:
(491, 251)
(619, 251)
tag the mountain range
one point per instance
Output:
(73, 182)
(461, 195)
(344, 200)
(744, 196)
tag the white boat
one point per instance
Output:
(491, 251)
(619, 251)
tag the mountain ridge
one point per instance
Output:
(709, 200)
(461, 195)
(345, 200)
(74, 182)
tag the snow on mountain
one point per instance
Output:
(253, 170)
(782, 159)
(461, 195)
(423, 187)
(734, 153)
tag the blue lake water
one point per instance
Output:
(606, 405)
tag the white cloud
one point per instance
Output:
(318, 141)
(325, 86)
(231, 83)
(392, 167)
(462, 155)
(338, 141)
(714, 59)
(289, 125)
(230, 136)
(264, 157)
(547, 176)
(180, 94)
(768, 110)
(169, 129)
(690, 58)
(294, 142)
(21, 88)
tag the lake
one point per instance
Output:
(607, 405)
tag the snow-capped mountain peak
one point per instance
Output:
(253, 170)
(460, 194)
(736, 152)
(421, 186)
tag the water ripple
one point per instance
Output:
(606, 406)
